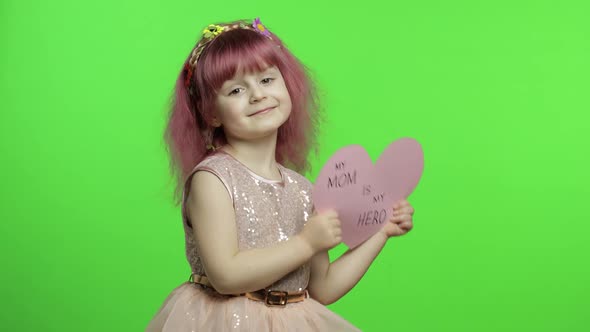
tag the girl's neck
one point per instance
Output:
(258, 155)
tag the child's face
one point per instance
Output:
(253, 105)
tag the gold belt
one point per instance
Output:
(269, 297)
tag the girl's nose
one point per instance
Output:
(256, 95)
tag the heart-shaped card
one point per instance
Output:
(363, 194)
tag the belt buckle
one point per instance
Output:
(275, 298)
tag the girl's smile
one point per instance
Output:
(263, 111)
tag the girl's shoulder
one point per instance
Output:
(217, 164)
(215, 161)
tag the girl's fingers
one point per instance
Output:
(400, 203)
(405, 210)
(402, 217)
(407, 225)
(397, 221)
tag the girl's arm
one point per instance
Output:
(229, 270)
(330, 281)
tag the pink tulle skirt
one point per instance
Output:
(192, 308)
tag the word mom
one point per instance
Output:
(341, 180)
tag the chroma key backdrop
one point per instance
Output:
(495, 92)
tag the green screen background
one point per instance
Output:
(496, 92)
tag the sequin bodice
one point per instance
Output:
(266, 211)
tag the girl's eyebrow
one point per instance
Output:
(271, 68)
(232, 81)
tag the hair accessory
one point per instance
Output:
(212, 30)
(209, 34)
(260, 27)
(188, 73)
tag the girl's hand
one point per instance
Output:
(322, 231)
(401, 221)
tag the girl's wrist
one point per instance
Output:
(382, 234)
(304, 244)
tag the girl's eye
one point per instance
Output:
(234, 91)
(267, 80)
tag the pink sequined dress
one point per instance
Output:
(266, 212)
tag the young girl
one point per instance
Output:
(243, 109)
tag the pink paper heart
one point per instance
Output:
(362, 193)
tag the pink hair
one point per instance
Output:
(191, 115)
